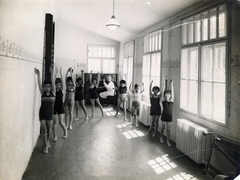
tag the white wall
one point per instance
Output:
(71, 45)
(21, 31)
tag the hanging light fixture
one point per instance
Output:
(113, 23)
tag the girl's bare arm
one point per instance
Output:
(39, 81)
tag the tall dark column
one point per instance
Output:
(48, 46)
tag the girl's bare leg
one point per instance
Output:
(132, 115)
(100, 106)
(118, 106)
(70, 117)
(76, 109)
(168, 133)
(162, 131)
(66, 116)
(54, 128)
(125, 110)
(93, 105)
(156, 125)
(82, 103)
(60, 118)
(49, 128)
(44, 129)
(151, 124)
(137, 116)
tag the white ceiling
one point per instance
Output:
(133, 15)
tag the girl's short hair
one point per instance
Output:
(69, 78)
(47, 81)
(58, 80)
(122, 82)
(156, 87)
(136, 86)
(79, 79)
(167, 92)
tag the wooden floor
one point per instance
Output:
(105, 148)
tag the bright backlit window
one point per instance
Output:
(203, 64)
(151, 66)
(128, 61)
(101, 59)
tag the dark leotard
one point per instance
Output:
(79, 93)
(122, 90)
(93, 93)
(167, 111)
(58, 106)
(47, 106)
(155, 106)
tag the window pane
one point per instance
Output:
(204, 26)
(193, 96)
(207, 63)
(97, 65)
(206, 99)
(219, 62)
(146, 65)
(184, 63)
(155, 64)
(99, 52)
(90, 64)
(160, 40)
(153, 41)
(219, 102)
(146, 81)
(104, 52)
(193, 63)
(150, 42)
(109, 52)
(222, 21)
(213, 24)
(190, 30)
(184, 32)
(197, 28)
(90, 51)
(112, 65)
(184, 94)
(95, 51)
(157, 39)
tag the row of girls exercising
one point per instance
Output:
(161, 108)
(53, 107)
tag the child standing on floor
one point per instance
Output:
(166, 118)
(93, 93)
(155, 111)
(122, 98)
(69, 99)
(79, 96)
(46, 109)
(59, 108)
(136, 100)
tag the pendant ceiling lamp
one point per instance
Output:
(113, 23)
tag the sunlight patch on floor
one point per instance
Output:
(133, 134)
(183, 176)
(109, 111)
(161, 164)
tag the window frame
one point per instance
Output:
(201, 44)
(102, 58)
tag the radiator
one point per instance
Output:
(191, 141)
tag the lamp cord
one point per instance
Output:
(113, 6)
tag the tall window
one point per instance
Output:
(151, 66)
(203, 64)
(128, 61)
(101, 59)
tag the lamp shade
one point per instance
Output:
(113, 23)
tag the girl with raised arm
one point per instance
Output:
(93, 93)
(79, 95)
(46, 109)
(166, 118)
(59, 107)
(155, 111)
(69, 99)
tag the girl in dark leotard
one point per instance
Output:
(166, 118)
(59, 108)
(122, 98)
(79, 96)
(46, 109)
(93, 93)
(155, 111)
(69, 99)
